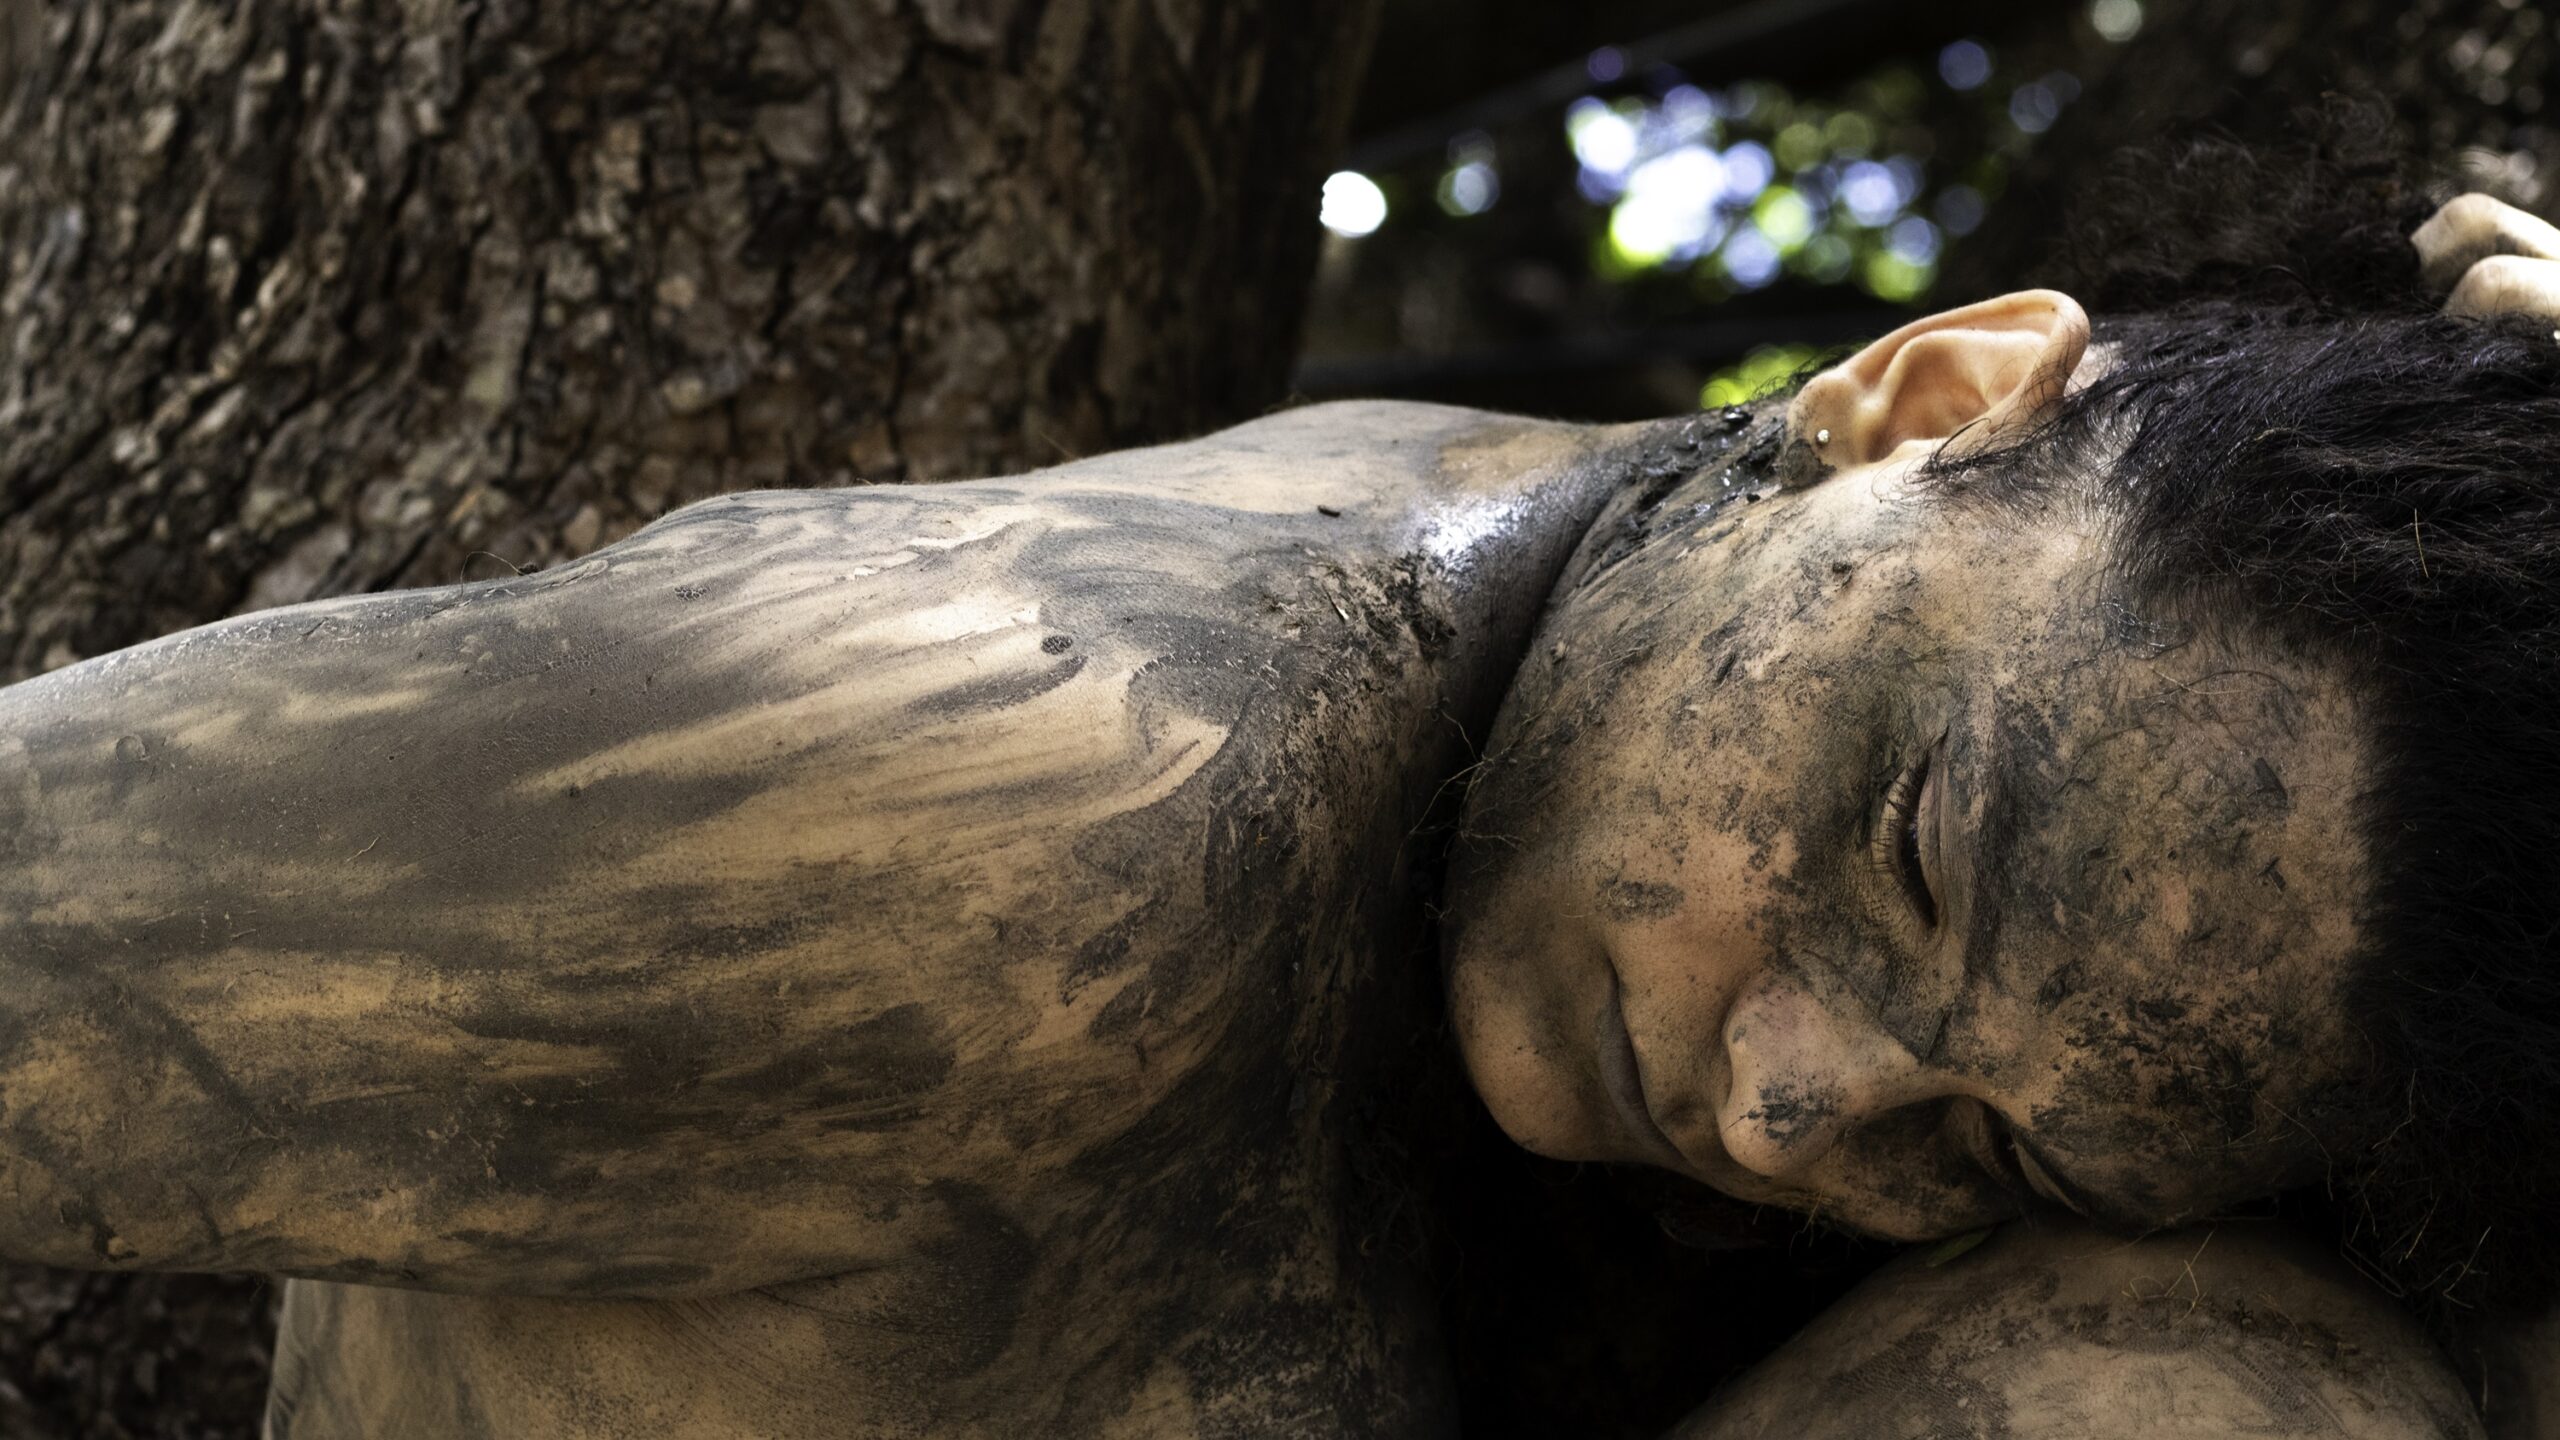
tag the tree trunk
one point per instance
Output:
(305, 297)
(309, 296)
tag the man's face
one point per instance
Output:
(1871, 855)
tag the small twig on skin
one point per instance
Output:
(2195, 1287)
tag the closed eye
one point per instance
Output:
(1897, 849)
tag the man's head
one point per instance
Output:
(2144, 802)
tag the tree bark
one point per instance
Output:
(311, 296)
(305, 297)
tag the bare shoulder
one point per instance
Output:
(2056, 1330)
(800, 854)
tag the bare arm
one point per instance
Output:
(722, 909)
(474, 935)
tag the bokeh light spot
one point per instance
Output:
(1748, 169)
(1892, 277)
(1668, 212)
(1470, 188)
(2116, 20)
(1908, 173)
(1603, 140)
(1913, 239)
(1353, 204)
(1800, 146)
(1959, 209)
(1643, 235)
(1868, 192)
(1964, 65)
(1898, 92)
(1850, 133)
(1784, 216)
(1688, 113)
(1826, 259)
(2033, 107)
(1748, 258)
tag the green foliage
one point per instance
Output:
(1952, 1247)
(1768, 368)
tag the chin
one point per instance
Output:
(1913, 1229)
(1516, 1070)
(1903, 1221)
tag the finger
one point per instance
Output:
(2472, 228)
(2508, 285)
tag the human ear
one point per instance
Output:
(1963, 375)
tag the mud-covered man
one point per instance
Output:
(928, 960)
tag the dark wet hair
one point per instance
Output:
(2293, 438)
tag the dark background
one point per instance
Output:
(1523, 306)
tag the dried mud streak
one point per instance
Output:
(824, 921)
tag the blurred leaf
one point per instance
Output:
(1949, 1249)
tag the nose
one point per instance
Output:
(1807, 1073)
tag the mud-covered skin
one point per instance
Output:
(886, 961)
(2052, 1329)
(2146, 887)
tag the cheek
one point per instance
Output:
(2174, 1101)
(1690, 891)
(1508, 1013)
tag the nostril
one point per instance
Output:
(1779, 1128)
(1804, 1075)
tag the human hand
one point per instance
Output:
(2490, 258)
